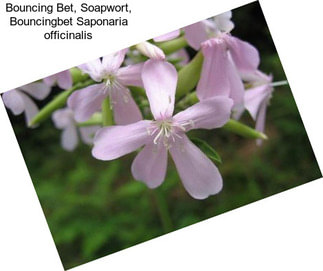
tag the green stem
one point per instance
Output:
(96, 119)
(172, 46)
(58, 102)
(163, 210)
(189, 75)
(243, 130)
(107, 118)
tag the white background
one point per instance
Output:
(283, 232)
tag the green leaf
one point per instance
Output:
(207, 149)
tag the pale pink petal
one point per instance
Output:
(261, 119)
(112, 62)
(255, 77)
(254, 98)
(130, 75)
(237, 90)
(150, 50)
(208, 114)
(85, 102)
(94, 69)
(88, 133)
(245, 56)
(199, 175)
(63, 118)
(69, 138)
(38, 90)
(50, 80)
(31, 108)
(195, 34)
(13, 100)
(160, 79)
(168, 36)
(115, 141)
(124, 107)
(214, 76)
(64, 79)
(150, 165)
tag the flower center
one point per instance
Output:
(112, 84)
(166, 131)
(110, 80)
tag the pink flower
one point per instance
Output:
(219, 75)
(199, 175)
(224, 58)
(257, 98)
(113, 80)
(18, 101)
(63, 80)
(64, 120)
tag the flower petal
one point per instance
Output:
(13, 100)
(85, 102)
(199, 175)
(160, 79)
(237, 90)
(88, 133)
(64, 79)
(37, 90)
(69, 138)
(150, 165)
(63, 118)
(112, 62)
(168, 36)
(130, 75)
(115, 141)
(214, 76)
(19, 102)
(261, 120)
(124, 107)
(94, 68)
(50, 80)
(31, 108)
(245, 56)
(195, 34)
(255, 97)
(208, 114)
(256, 77)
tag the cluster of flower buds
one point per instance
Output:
(150, 95)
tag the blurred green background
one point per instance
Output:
(95, 208)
